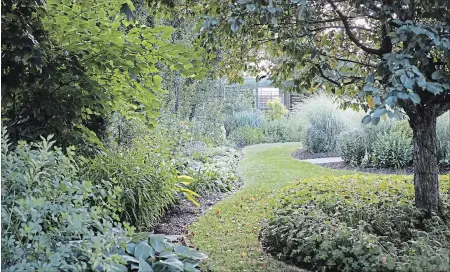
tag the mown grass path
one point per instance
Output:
(228, 233)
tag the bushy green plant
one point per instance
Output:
(282, 130)
(443, 139)
(323, 121)
(213, 170)
(276, 110)
(322, 132)
(392, 150)
(141, 178)
(47, 223)
(242, 119)
(156, 253)
(359, 223)
(247, 136)
(352, 147)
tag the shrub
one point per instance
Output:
(352, 147)
(322, 132)
(47, 224)
(137, 182)
(443, 138)
(276, 110)
(282, 130)
(247, 136)
(392, 150)
(323, 122)
(242, 119)
(359, 223)
(213, 170)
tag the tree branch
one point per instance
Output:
(351, 36)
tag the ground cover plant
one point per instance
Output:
(359, 223)
(228, 232)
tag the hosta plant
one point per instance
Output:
(155, 253)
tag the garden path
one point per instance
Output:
(324, 160)
(229, 231)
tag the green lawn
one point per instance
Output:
(228, 233)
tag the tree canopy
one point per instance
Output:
(389, 57)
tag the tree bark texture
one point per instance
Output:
(426, 183)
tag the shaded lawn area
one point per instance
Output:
(228, 233)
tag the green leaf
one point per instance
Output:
(436, 75)
(157, 242)
(415, 98)
(144, 266)
(378, 113)
(167, 255)
(366, 119)
(119, 268)
(175, 263)
(143, 250)
(189, 253)
(129, 258)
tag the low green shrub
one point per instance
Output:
(359, 223)
(282, 130)
(392, 150)
(276, 110)
(352, 147)
(323, 131)
(213, 171)
(246, 136)
(137, 182)
(47, 222)
(443, 138)
(242, 119)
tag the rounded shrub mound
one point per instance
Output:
(359, 223)
(392, 150)
(352, 147)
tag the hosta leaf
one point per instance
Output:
(118, 268)
(130, 248)
(143, 250)
(189, 253)
(130, 259)
(415, 98)
(157, 242)
(167, 255)
(174, 263)
(144, 266)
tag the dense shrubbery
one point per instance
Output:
(47, 224)
(360, 223)
(213, 170)
(282, 130)
(53, 220)
(352, 146)
(392, 150)
(134, 179)
(323, 122)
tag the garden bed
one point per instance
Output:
(303, 154)
(180, 216)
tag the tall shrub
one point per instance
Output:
(47, 222)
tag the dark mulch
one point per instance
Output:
(373, 170)
(303, 154)
(180, 216)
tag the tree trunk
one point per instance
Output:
(426, 183)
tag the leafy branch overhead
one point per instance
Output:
(392, 51)
(98, 57)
